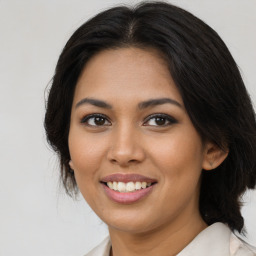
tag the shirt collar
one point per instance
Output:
(213, 241)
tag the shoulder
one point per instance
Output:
(217, 240)
(238, 247)
(102, 249)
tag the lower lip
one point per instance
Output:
(129, 197)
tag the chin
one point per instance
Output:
(133, 223)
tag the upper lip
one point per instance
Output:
(120, 177)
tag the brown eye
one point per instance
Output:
(99, 120)
(159, 120)
(96, 120)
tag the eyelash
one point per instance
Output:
(168, 120)
(94, 116)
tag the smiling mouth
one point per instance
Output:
(129, 186)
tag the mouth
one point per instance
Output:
(127, 188)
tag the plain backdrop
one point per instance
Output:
(36, 217)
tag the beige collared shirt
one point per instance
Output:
(216, 240)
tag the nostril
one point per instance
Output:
(124, 162)
(113, 161)
(133, 161)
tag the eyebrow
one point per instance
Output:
(142, 105)
(97, 103)
(156, 102)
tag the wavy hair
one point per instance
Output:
(208, 80)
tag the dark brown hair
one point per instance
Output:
(207, 78)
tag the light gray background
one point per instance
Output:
(35, 218)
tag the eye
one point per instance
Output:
(96, 120)
(159, 120)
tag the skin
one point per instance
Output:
(127, 141)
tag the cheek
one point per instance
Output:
(179, 160)
(179, 157)
(87, 154)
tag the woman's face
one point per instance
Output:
(129, 128)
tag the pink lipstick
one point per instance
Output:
(127, 188)
(127, 177)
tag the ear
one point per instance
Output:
(71, 165)
(213, 156)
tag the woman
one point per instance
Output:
(152, 123)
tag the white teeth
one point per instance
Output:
(138, 185)
(144, 184)
(110, 185)
(128, 187)
(121, 187)
(114, 185)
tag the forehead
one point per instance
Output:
(124, 73)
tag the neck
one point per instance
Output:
(167, 240)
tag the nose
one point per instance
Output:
(126, 147)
